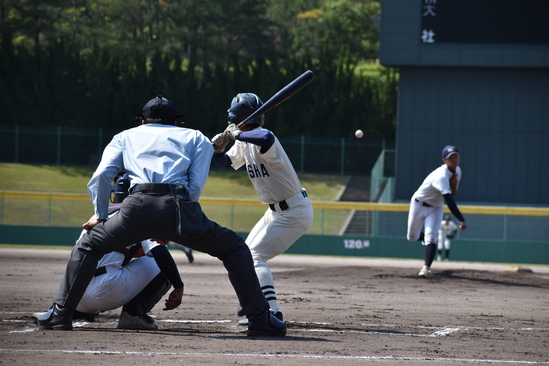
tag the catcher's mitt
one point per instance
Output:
(139, 253)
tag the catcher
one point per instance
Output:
(447, 231)
(131, 278)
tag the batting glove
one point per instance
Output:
(220, 142)
(232, 131)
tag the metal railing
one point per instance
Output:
(84, 146)
(389, 219)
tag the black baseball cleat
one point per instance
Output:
(56, 319)
(279, 316)
(77, 315)
(266, 325)
(240, 311)
(190, 256)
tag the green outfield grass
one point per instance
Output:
(221, 183)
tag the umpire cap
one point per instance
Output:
(160, 107)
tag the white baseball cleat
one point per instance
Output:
(425, 272)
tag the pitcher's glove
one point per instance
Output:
(232, 131)
(220, 142)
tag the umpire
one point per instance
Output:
(168, 166)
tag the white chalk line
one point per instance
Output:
(441, 333)
(194, 321)
(445, 331)
(255, 355)
(455, 326)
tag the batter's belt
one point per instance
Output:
(283, 205)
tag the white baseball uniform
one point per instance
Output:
(290, 214)
(445, 229)
(427, 204)
(119, 284)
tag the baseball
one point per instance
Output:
(359, 133)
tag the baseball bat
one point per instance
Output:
(283, 94)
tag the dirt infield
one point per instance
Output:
(339, 311)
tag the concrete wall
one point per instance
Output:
(349, 246)
(490, 100)
(461, 250)
(499, 120)
(401, 44)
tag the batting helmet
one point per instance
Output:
(160, 108)
(121, 188)
(242, 106)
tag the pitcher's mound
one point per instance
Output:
(518, 269)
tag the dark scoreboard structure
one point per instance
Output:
(484, 21)
(475, 74)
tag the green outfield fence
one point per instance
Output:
(84, 146)
(494, 234)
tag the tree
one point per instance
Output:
(33, 23)
(290, 24)
(341, 26)
(347, 24)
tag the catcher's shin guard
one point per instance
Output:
(144, 301)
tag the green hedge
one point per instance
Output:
(61, 87)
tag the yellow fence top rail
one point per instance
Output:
(331, 205)
(45, 195)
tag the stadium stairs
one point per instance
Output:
(357, 190)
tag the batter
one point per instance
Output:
(290, 213)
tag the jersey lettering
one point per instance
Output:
(255, 172)
(264, 171)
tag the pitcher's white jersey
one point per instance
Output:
(436, 185)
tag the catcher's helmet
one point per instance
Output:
(160, 107)
(121, 188)
(242, 106)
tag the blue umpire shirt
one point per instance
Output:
(153, 153)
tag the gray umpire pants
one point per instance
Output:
(151, 215)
